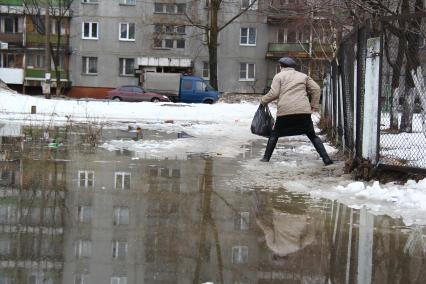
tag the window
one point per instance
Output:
(121, 215)
(39, 278)
(122, 180)
(127, 66)
(168, 43)
(181, 8)
(7, 214)
(247, 71)
(90, 1)
(187, 85)
(6, 279)
(241, 221)
(35, 61)
(4, 247)
(159, 7)
(86, 178)
(170, 29)
(81, 279)
(129, 2)
(11, 24)
(127, 31)
(248, 36)
(11, 60)
(206, 70)
(57, 27)
(169, 8)
(180, 30)
(158, 28)
(247, 3)
(180, 43)
(239, 254)
(83, 248)
(84, 214)
(90, 30)
(200, 86)
(90, 65)
(119, 250)
(119, 280)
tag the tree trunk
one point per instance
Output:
(397, 89)
(212, 42)
(412, 55)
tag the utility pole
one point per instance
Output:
(47, 75)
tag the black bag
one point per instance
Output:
(263, 122)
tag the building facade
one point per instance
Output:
(22, 37)
(109, 43)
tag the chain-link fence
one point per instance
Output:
(403, 95)
(343, 92)
(398, 90)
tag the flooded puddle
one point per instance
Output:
(81, 214)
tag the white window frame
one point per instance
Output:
(86, 179)
(81, 246)
(128, 2)
(127, 38)
(247, 42)
(239, 251)
(247, 64)
(242, 221)
(86, 65)
(53, 27)
(117, 213)
(254, 7)
(119, 280)
(123, 175)
(204, 69)
(115, 248)
(80, 214)
(91, 24)
(83, 278)
(122, 71)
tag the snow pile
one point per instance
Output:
(17, 107)
(407, 201)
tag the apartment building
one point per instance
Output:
(22, 60)
(110, 43)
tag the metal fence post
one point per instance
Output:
(371, 99)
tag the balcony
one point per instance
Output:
(12, 39)
(298, 50)
(11, 2)
(12, 75)
(38, 75)
(36, 38)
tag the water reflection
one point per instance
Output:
(92, 216)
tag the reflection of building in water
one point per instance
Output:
(32, 194)
(153, 221)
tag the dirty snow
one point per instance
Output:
(223, 130)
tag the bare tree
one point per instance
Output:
(59, 12)
(213, 25)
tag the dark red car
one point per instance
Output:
(135, 94)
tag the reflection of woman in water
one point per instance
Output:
(287, 228)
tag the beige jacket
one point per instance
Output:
(292, 89)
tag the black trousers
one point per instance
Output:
(295, 124)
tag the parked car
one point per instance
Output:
(135, 94)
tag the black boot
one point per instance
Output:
(272, 142)
(321, 151)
